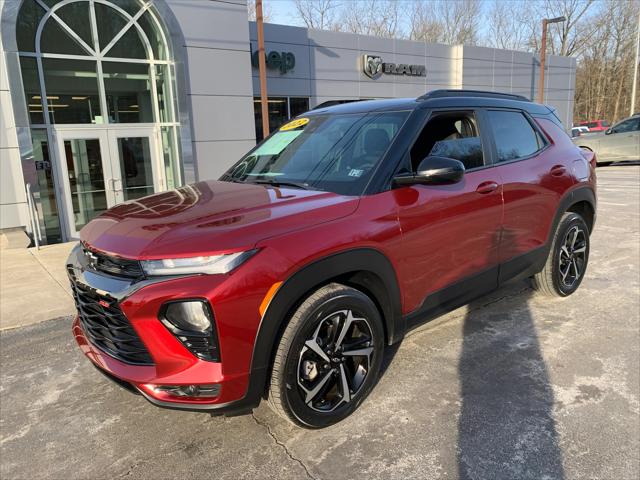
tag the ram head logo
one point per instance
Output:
(372, 66)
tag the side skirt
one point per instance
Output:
(467, 290)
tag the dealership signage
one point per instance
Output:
(283, 61)
(374, 67)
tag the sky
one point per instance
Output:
(284, 12)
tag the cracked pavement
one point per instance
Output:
(514, 385)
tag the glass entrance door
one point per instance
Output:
(100, 168)
(135, 162)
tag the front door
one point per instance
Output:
(100, 168)
(450, 233)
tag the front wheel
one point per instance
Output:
(329, 357)
(568, 258)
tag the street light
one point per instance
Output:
(543, 53)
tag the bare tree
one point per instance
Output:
(571, 36)
(266, 11)
(446, 21)
(511, 25)
(317, 14)
(604, 75)
(372, 17)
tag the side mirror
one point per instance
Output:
(433, 170)
(608, 131)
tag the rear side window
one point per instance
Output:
(514, 136)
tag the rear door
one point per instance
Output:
(533, 160)
(622, 141)
(450, 233)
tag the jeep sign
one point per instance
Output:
(374, 67)
(283, 61)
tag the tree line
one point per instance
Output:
(600, 34)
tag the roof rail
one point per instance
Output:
(471, 93)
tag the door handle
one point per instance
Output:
(487, 187)
(558, 170)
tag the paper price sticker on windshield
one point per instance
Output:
(294, 124)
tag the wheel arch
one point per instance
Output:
(366, 269)
(581, 200)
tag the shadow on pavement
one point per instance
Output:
(506, 428)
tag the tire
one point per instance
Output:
(305, 388)
(568, 258)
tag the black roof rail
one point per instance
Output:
(471, 93)
(332, 103)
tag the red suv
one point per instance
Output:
(330, 240)
(596, 125)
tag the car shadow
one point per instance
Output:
(506, 428)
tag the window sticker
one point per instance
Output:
(354, 172)
(300, 122)
(277, 143)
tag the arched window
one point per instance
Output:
(95, 62)
(94, 66)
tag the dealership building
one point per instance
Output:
(104, 101)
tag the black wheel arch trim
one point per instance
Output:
(580, 194)
(314, 275)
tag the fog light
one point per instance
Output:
(192, 322)
(187, 316)
(194, 391)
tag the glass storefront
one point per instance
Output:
(281, 109)
(98, 65)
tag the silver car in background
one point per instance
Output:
(619, 143)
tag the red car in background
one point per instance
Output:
(331, 239)
(595, 125)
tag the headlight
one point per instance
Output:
(210, 265)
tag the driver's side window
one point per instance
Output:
(450, 134)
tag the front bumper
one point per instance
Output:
(173, 364)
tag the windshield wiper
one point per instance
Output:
(277, 183)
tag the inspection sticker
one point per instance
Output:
(294, 124)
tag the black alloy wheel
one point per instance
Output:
(329, 357)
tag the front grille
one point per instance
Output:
(121, 267)
(106, 327)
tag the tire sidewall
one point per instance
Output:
(569, 222)
(360, 304)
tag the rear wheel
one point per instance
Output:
(328, 359)
(568, 258)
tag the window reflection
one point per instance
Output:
(72, 91)
(128, 90)
(31, 82)
(281, 109)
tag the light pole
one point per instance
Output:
(543, 53)
(634, 86)
(262, 69)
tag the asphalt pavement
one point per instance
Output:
(513, 386)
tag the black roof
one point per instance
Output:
(438, 99)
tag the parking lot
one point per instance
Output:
(514, 385)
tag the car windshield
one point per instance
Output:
(334, 153)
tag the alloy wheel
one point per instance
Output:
(572, 256)
(335, 361)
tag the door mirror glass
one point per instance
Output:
(433, 170)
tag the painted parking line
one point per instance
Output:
(614, 204)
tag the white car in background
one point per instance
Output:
(618, 143)
(577, 131)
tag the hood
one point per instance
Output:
(209, 217)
